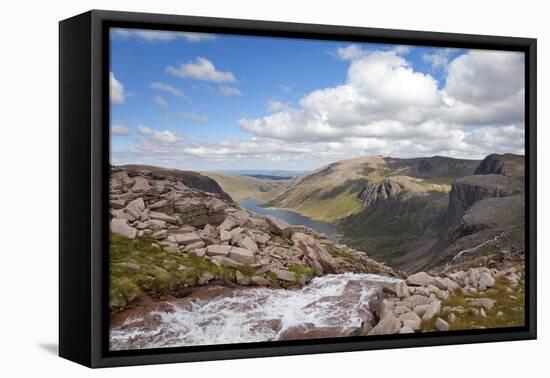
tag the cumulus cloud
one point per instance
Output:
(384, 106)
(168, 88)
(227, 90)
(116, 90)
(118, 129)
(160, 35)
(202, 69)
(385, 98)
(160, 101)
(164, 137)
(439, 59)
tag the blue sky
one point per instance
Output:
(211, 102)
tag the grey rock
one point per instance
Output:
(242, 255)
(388, 325)
(277, 225)
(140, 184)
(401, 289)
(218, 250)
(483, 302)
(421, 279)
(406, 329)
(187, 238)
(122, 228)
(412, 320)
(441, 325)
(205, 278)
(284, 275)
(486, 280)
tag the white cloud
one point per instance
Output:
(164, 137)
(160, 101)
(227, 90)
(168, 88)
(161, 36)
(116, 90)
(118, 129)
(439, 59)
(350, 52)
(384, 107)
(202, 69)
(194, 116)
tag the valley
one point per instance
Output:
(431, 244)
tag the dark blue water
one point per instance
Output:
(291, 217)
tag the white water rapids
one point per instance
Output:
(329, 306)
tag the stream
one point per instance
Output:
(329, 306)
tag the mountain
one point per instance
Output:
(191, 179)
(243, 187)
(415, 213)
(344, 188)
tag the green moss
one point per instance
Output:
(302, 271)
(511, 305)
(272, 276)
(138, 271)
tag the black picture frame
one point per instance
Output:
(83, 181)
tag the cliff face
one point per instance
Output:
(509, 165)
(471, 189)
(486, 211)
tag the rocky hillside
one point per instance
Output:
(486, 213)
(344, 188)
(415, 213)
(191, 179)
(168, 236)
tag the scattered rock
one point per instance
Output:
(205, 278)
(486, 280)
(218, 250)
(412, 320)
(484, 302)
(388, 325)
(284, 275)
(441, 325)
(421, 279)
(242, 255)
(140, 184)
(122, 228)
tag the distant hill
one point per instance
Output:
(243, 187)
